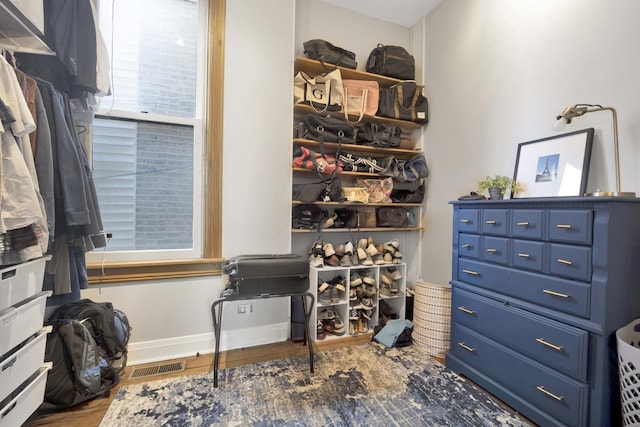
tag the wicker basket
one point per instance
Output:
(432, 317)
(629, 369)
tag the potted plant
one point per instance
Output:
(498, 185)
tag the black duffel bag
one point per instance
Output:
(392, 61)
(323, 51)
(379, 135)
(327, 129)
(404, 101)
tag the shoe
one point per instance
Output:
(328, 250)
(363, 325)
(353, 327)
(348, 248)
(354, 314)
(335, 295)
(393, 273)
(345, 261)
(378, 259)
(362, 254)
(372, 250)
(316, 256)
(367, 314)
(388, 258)
(353, 296)
(328, 222)
(320, 335)
(385, 290)
(340, 250)
(333, 261)
(334, 326)
(369, 280)
(355, 281)
(354, 258)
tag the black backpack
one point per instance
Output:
(88, 348)
(392, 61)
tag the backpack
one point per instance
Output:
(391, 61)
(88, 348)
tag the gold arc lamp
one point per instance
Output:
(578, 110)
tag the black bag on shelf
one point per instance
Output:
(323, 51)
(355, 163)
(413, 194)
(392, 216)
(404, 101)
(307, 216)
(328, 129)
(392, 61)
(379, 135)
(308, 192)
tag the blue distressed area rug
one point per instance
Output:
(365, 385)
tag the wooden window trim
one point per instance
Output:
(211, 263)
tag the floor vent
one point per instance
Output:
(163, 368)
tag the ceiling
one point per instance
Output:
(401, 12)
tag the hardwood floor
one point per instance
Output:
(89, 414)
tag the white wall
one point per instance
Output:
(497, 74)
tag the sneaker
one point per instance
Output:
(372, 250)
(335, 295)
(385, 290)
(328, 250)
(316, 256)
(320, 335)
(348, 248)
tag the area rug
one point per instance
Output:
(365, 385)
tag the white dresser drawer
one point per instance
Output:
(17, 365)
(21, 281)
(24, 401)
(20, 321)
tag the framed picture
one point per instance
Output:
(554, 166)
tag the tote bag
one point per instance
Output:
(322, 92)
(360, 98)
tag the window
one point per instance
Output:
(156, 172)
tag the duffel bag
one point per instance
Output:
(323, 51)
(327, 129)
(404, 101)
(392, 61)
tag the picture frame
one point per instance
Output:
(556, 166)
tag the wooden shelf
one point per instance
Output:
(331, 147)
(347, 230)
(313, 67)
(356, 205)
(406, 126)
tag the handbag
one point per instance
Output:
(391, 61)
(323, 51)
(306, 158)
(379, 189)
(355, 163)
(322, 92)
(360, 98)
(361, 217)
(404, 101)
(408, 195)
(396, 217)
(307, 192)
(327, 129)
(355, 194)
(306, 216)
(379, 135)
(407, 170)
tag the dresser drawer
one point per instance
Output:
(572, 226)
(554, 344)
(468, 220)
(527, 223)
(570, 261)
(20, 321)
(527, 254)
(469, 245)
(556, 394)
(564, 295)
(495, 249)
(17, 365)
(494, 221)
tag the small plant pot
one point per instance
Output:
(495, 193)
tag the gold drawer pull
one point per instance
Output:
(548, 393)
(473, 273)
(491, 221)
(548, 344)
(564, 261)
(555, 294)
(567, 226)
(524, 255)
(492, 250)
(465, 246)
(523, 224)
(466, 347)
(466, 310)
(465, 221)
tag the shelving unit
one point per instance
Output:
(408, 236)
(343, 305)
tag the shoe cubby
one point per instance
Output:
(354, 300)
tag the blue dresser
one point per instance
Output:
(539, 288)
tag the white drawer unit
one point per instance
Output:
(23, 375)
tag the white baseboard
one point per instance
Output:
(174, 348)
